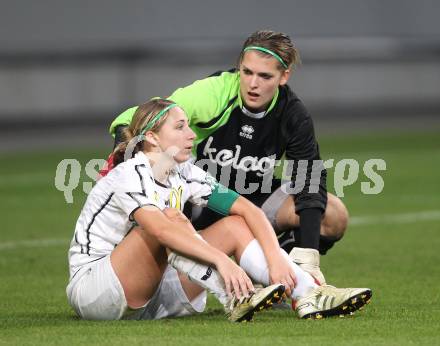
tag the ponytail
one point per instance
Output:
(119, 152)
(153, 112)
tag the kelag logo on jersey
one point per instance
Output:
(227, 157)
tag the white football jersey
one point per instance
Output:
(107, 215)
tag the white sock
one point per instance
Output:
(254, 263)
(203, 275)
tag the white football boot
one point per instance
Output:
(325, 301)
(243, 309)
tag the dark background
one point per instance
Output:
(68, 68)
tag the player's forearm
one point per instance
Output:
(189, 244)
(309, 176)
(309, 185)
(178, 237)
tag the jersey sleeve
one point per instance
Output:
(205, 191)
(206, 98)
(122, 119)
(302, 146)
(135, 189)
(201, 101)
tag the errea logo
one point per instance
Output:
(246, 131)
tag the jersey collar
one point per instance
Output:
(271, 106)
(250, 114)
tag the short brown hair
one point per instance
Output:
(278, 43)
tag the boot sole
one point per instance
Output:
(348, 307)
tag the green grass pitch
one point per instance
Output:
(392, 246)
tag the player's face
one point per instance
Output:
(259, 80)
(176, 136)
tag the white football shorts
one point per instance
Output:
(271, 206)
(95, 293)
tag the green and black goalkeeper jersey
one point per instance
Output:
(241, 148)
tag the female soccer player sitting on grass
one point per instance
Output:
(118, 255)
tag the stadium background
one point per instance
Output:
(64, 64)
(370, 77)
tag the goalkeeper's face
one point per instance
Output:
(260, 77)
(175, 136)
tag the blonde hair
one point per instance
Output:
(143, 115)
(277, 42)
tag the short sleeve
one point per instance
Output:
(122, 119)
(200, 184)
(207, 192)
(135, 189)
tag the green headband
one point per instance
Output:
(159, 115)
(268, 51)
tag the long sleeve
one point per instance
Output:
(303, 149)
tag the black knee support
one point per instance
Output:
(326, 243)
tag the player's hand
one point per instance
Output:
(280, 271)
(236, 280)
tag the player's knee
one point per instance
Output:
(238, 227)
(335, 225)
(342, 220)
(237, 222)
(336, 221)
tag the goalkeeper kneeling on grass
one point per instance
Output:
(248, 118)
(134, 255)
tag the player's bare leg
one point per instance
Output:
(237, 308)
(232, 235)
(139, 262)
(333, 224)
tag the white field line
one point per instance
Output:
(34, 243)
(20, 179)
(429, 215)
